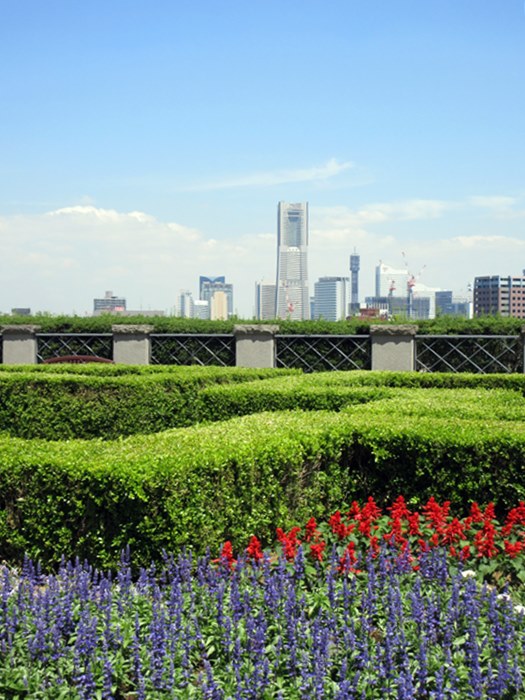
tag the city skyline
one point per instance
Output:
(143, 145)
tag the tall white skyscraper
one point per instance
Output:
(292, 272)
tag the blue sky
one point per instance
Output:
(145, 143)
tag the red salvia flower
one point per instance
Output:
(368, 515)
(454, 532)
(349, 559)
(254, 549)
(311, 529)
(354, 513)
(513, 548)
(289, 542)
(413, 524)
(338, 527)
(475, 513)
(465, 553)
(484, 541)
(317, 550)
(515, 517)
(490, 513)
(227, 555)
(398, 509)
(436, 514)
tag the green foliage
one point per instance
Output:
(447, 325)
(481, 325)
(67, 401)
(201, 485)
(312, 443)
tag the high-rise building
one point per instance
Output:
(500, 295)
(447, 305)
(201, 309)
(292, 272)
(185, 304)
(354, 272)
(219, 306)
(209, 286)
(265, 301)
(390, 281)
(110, 304)
(331, 298)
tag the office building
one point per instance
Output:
(415, 308)
(447, 305)
(504, 296)
(185, 304)
(201, 309)
(292, 296)
(219, 307)
(209, 286)
(354, 289)
(331, 298)
(265, 301)
(390, 281)
(110, 304)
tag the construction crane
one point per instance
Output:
(411, 283)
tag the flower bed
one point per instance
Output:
(496, 549)
(399, 616)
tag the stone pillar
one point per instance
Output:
(19, 345)
(393, 348)
(255, 345)
(131, 344)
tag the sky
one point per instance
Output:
(146, 142)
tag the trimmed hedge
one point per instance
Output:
(317, 393)
(59, 402)
(447, 325)
(198, 486)
(377, 433)
(63, 402)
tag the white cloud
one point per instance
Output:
(492, 202)
(489, 242)
(330, 169)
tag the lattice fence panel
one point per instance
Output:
(480, 354)
(193, 349)
(60, 344)
(315, 353)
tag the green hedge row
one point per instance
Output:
(336, 390)
(447, 325)
(107, 401)
(59, 402)
(200, 485)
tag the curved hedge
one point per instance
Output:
(59, 402)
(67, 401)
(330, 438)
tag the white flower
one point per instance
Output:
(520, 609)
(503, 596)
(468, 573)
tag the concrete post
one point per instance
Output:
(131, 344)
(19, 345)
(393, 348)
(255, 345)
